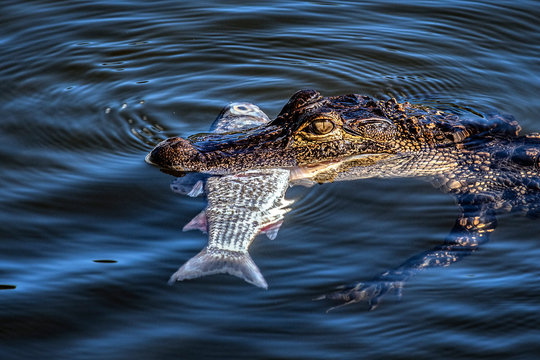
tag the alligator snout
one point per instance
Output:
(261, 147)
(173, 153)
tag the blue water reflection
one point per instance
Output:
(89, 87)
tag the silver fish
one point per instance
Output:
(233, 117)
(240, 206)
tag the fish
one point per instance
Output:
(236, 116)
(240, 206)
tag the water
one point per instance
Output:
(89, 87)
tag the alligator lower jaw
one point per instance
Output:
(312, 171)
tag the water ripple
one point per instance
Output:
(90, 87)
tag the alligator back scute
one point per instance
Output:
(527, 156)
(504, 125)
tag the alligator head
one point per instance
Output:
(317, 136)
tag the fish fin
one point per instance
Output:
(199, 222)
(303, 182)
(217, 261)
(197, 189)
(191, 184)
(272, 230)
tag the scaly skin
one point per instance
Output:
(483, 162)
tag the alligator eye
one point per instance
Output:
(322, 126)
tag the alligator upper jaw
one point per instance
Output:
(264, 147)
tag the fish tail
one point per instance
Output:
(218, 261)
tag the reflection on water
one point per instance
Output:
(90, 88)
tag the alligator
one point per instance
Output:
(482, 161)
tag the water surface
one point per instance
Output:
(90, 233)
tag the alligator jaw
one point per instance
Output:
(219, 154)
(314, 171)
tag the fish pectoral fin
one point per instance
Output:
(271, 230)
(199, 222)
(198, 189)
(218, 261)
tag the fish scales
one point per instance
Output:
(240, 205)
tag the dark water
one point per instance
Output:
(89, 87)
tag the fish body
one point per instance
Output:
(239, 207)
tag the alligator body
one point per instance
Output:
(482, 161)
